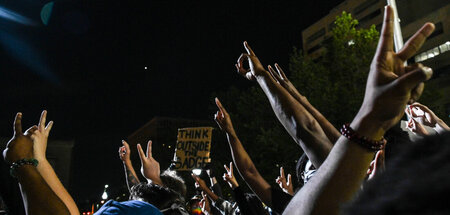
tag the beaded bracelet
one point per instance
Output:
(20, 163)
(373, 145)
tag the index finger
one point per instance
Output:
(219, 105)
(282, 172)
(141, 152)
(18, 124)
(42, 120)
(125, 144)
(386, 42)
(249, 50)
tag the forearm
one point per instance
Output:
(37, 195)
(130, 175)
(50, 177)
(340, 176)
(210, 194)
(248, 171)
(330, 131)
(298, 122)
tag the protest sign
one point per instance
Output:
(192, 148)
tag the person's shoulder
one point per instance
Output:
(128, 207)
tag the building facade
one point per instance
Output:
(435, 53)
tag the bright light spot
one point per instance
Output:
(170, 147)
(106, 186)
(197, 171)
(351, 42)
(103, 201)
(105, 195)
(145, 67)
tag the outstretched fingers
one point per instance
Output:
(42, 120)
(18, 124)
(282, 172)
(220, 106)
(280, 71)
(386, 42)
(149, 148)
(274, 74)
(416, 41)
(141, 152)
(249, 50)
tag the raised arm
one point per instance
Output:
(298, 122)
(38, 197)
(202, 185)
(241, 159)
(331, 132)
(130, 174)
(40, 138)
(389, 84)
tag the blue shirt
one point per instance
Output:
(130, 207)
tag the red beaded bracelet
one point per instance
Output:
(373, 145)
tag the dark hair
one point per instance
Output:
(159, 196)
(300, 167)
(173, 181)
(416, 181)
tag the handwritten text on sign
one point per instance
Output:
(192, 148)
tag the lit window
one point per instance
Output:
(430, 54)
(436, 51)
(424, 56)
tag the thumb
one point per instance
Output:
(413, 78)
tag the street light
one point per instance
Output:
(105, 195)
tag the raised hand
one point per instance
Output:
(40, 137)
(390, 83)
(21, 145)
(229, 176)
(256, 68)
(149, 166)
(281, 78)
(421, 114)
(125, 152)
(285, 184)
(199, 182)
(416, 127)
(223, 119)
(205, 205)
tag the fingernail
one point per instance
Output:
(429, 29)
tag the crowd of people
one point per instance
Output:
(342, 171)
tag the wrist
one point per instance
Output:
(366, 125)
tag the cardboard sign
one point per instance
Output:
(192, 148)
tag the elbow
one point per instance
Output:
(307, 129)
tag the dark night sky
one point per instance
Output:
(87, 66)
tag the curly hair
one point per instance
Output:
(172, 180)
(159, 196)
